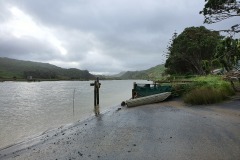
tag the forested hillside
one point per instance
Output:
(152, 73)
(18, 69)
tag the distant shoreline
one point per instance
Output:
(37, 80)
(40, 80)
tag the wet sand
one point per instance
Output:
(167, 130)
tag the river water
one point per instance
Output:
(28, 109)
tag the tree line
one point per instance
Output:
(198, 50)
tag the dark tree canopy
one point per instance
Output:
(190, 49)
(218, 10)
(228, 52)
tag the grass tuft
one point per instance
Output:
(208, 90)
(204, 96)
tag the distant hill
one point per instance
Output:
(151, 73)
(119, 74)
(19, 69)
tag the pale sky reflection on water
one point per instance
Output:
(29, 109)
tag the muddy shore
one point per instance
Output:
(168, 130)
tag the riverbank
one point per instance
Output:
(168, 130)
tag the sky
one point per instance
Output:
(101, 36)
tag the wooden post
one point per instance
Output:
(97, 88)
(133, 90)
(96, 85)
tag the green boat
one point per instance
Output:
(148, 93)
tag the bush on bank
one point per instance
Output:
(208, 90)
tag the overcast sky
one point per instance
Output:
(102, 36)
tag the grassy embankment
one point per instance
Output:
(205, 90)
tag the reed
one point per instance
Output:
(73, 100)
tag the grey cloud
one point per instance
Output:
(130, 35)
(4, 16)
(26, 48)
(107, 15)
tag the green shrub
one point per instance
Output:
(208, 90)
(181, 89)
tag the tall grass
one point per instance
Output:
(208, 90)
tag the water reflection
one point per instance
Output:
(28, 109)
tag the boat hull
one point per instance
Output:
(148, 99)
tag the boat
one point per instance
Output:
(155, 98)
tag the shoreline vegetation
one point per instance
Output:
(205, 90)
(196, 90)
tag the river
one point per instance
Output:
(28, 109)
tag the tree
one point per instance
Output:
(228, 52)
(190, 49)
(217, 10)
